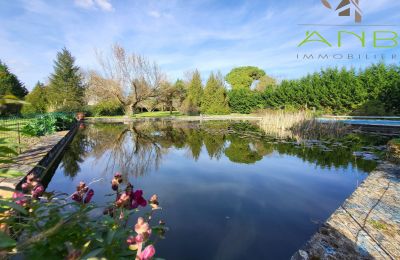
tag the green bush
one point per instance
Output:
(244, 100)
(107, 108)
(49, 123)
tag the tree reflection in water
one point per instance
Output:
(136, 148)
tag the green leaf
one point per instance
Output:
(93, 253)
(6, 241)
(14, 206)
(110, 236)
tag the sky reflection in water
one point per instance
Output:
(225, 192)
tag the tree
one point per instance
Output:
(167, 95)
(180, 94)
(265, 82)
(36, 99)
(129, 78)
(66, 88)
(244, 100)
(10, 84)
(191, 105)
(243, 77)
(214, 99)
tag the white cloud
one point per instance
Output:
(104, 5)
(154, 14)
(84, 3)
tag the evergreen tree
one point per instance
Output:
(36, 99)
(66, 89)
(9, 83)
(192, 103)
(214, 99)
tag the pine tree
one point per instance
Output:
(9, 83)
(191, 105)
(36, 99)
(66, 89)
(214, 99)
(195, 90)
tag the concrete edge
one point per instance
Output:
(48, 161)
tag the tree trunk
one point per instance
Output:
(128, 110)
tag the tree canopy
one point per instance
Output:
(36, 99)
(214, 98)
(66, 88)
(243, 77)
(10, 84)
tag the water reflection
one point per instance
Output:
(136, 148)
(229, 185)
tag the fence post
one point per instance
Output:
(19, 138)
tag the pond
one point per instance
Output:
(228, 191)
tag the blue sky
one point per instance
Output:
(183, 35)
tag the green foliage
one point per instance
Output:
(66, 89)
(10, 105)
(244, 100)
(265, 82)
(373, 90)
(49, 123)
(107, 108)
(56, 228)
(37, 100)
(214, 99)
(9, 83)
(243, 77)
(191, 105)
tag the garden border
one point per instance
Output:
(48, 161)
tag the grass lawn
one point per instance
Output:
(158, 114)
(161, 114)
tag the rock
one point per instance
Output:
(393, 151)
(300, 255)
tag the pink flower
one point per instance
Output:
(89, 196)
(131, 240)
(77, 197)
(154, 202)
(142, 227)
(138, 199)
(37, 191)
(147, 253)
(123, 200)
(25, 186)
(19, 198)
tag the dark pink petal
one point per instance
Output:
(76, 197)
(147, 253)
(19, 198)
(37, 191)
(114, 187)
(89, 196)
(25, 186)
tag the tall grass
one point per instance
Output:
(300, 125)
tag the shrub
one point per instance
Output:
(49, 123)
(244, 100)
(107, 108)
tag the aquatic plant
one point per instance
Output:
(300, 125)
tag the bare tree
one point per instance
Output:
(128, 78)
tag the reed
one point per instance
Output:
(300, 125)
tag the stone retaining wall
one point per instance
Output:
(366, 226)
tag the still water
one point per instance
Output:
(227, 191)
